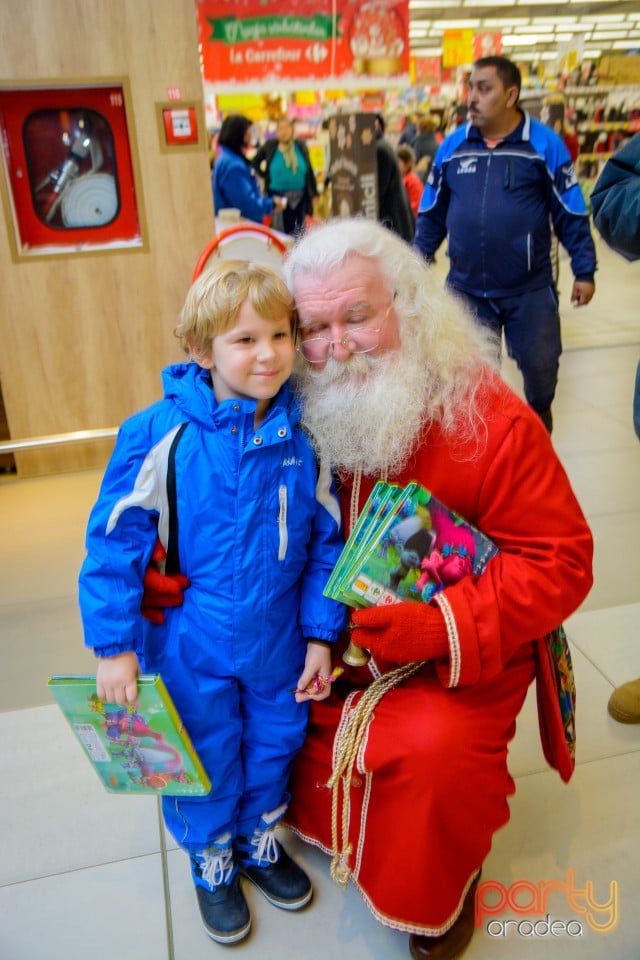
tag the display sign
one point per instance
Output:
(249, 42)
(353, 168)
(487, 45)
(426, 70)
(457, 47)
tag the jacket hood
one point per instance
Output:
(190, 388)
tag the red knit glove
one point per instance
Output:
(401, 632)
(161, 589)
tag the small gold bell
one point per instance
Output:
(356, 656)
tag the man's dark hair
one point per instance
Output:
(232, 132)
(506, 70)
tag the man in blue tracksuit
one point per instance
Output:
(495, 187)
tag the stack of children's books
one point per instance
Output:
(406, 545)
(139, 748)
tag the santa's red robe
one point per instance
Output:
(431, 783)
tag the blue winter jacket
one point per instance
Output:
(259, 529)
(235, 185)
(615, 200)
(495, 207)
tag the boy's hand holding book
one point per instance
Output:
(401, 632)
(117, 678)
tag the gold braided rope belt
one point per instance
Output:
(346, 757)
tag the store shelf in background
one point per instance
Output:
(627, 125)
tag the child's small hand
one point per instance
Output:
(117, 679)
(316, 678)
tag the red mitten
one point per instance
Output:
(402, 632)
(161, 589)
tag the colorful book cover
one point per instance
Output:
(419, 548)
(373, 513)
(141, 748)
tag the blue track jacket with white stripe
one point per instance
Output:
(496, 207)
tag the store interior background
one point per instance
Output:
(83, 340)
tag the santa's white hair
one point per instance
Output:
(370, 410)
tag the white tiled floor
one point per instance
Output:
(81, 871)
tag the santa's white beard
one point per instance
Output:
(366, 412)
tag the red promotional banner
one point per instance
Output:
(284, 41)
(487, 45)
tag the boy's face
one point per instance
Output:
(252, 359)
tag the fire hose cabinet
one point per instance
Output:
(70, 169)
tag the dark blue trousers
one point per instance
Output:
(531, 324)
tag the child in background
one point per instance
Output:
(258, 532)
(412, 182)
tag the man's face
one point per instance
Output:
(489, 103)
(340, 306)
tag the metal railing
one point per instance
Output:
(74, 436)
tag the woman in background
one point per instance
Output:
(234, 182)
(284, 164)
(425, 145)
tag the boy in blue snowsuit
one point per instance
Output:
(257, 528)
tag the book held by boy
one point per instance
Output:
(141, 748)
(406, 545)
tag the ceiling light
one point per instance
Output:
(457, 24)
(599, 35)
(536, 28)
(483, 3)
(603, 18)
(427, 52)
(528, 41)
(557, 20)
(431, 4)
(579, 28)
(632, 44)
(513, 22)
(535, 57)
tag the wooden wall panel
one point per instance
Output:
(83, 338)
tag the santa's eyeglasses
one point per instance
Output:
(362, 336)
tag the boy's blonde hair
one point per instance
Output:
(214, 300)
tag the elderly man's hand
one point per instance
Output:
(401, 632)
(582, 292)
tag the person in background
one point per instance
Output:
(285, 166)
(425, 146)
(496, 185)
(234, 182)
(409, 130)
(570, 138)
(394, 209)
(412, 182)
(258, 532)
(615, 201)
